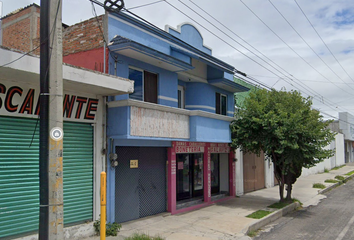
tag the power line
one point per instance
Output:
(225, 43)
(309, 64)
(34, 49)
(312, 92)
(306, 80)
(144, 5)
(323, 40)
(241, 52)
(307, 43)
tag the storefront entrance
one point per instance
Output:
(189, 176)
(199, 174)
(219, 173)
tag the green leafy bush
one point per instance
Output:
(112, 229)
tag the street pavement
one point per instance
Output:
(227, 220)
(331, 220)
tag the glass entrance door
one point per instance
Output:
(215, 173)
(189, 176)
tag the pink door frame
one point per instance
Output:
(206, 149)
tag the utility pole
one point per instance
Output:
(56, 202)
(51, 122)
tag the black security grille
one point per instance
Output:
(141, 191)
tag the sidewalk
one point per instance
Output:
(227, 220)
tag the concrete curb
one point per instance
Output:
(284, 211)
(271, 217)
(347, 178)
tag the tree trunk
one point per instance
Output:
(281, 191)
(281, 188)
(289, 189)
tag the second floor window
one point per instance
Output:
(180, 93)
(145, 85)
(220, 103)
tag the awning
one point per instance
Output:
(143, 53)
(228, 85)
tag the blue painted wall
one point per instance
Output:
(116, 27)
(167, 80)
(118, 122)
(204, 129)
(203, 95)
(198, 96)
(190, 35)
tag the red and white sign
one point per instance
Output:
(16, 100)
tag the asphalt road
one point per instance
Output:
(332, 219)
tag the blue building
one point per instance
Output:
(170, 135)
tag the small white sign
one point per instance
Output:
(56, 134)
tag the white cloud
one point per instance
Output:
(332, 19)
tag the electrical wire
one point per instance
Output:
(246, 55)
(52, 31)
(282, 15)
(309, 64)
(323, 40)
(221, 40)
(104, 39)
(312, 92)
(144, 5)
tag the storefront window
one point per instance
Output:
(190, 179)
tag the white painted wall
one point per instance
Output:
(340, 157)
(269, 173)
(337, 160)
(239, 172)
(329, 163)
(224, 169)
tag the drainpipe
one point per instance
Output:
(104, 57)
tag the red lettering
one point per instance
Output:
(2, 90)
(38, 107)
(91, 107)
(68, 105)
(27, 104)
(80, 101)
(8, 100)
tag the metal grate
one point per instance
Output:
(152, 181)
(141, 191)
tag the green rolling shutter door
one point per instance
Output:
(19, 186)
(78, 172)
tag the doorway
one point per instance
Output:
(140, 190)
(219, 173)
(253, 172)
(189, 176)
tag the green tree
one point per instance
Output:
(283, 126)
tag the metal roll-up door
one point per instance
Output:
(78, 172)
(19, 176)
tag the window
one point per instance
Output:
(220, 103)
(145, 85)
(181, 101)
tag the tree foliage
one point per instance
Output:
(283, 126)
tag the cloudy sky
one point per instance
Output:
(284, 44)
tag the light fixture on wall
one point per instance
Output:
(113, 156)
